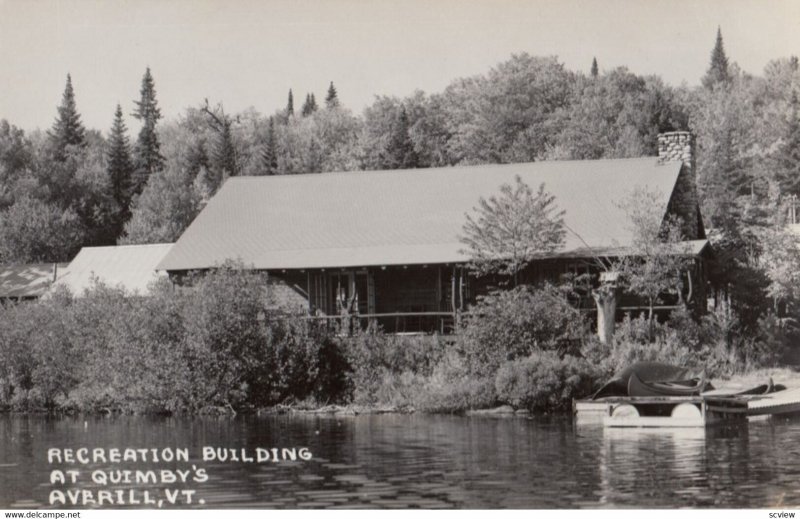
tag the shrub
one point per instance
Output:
(224, 333)
(507, 325)
(379, 363)
(215, 344)
(40, 362)
(716, 344)
(544, 382)
(632, 344)
(452, 389)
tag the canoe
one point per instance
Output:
(646, 372)
(763, 389)
(692, 387)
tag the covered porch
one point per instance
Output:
(399, 299)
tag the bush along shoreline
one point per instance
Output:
(221, 347)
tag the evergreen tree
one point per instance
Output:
(147, 152)
(594, 67)
(310, 105)
(290, 104)
(67, 129)
(787, 161)
(400, 153)
(332, 98)
(718, 70)
(269, 155)
(120, 166)
(224, 153)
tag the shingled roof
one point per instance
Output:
(28, 281)
(401, 217)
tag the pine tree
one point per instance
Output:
(332, 98)
(718, 70)
(400, 152)
(787, 161)
(594, 67)
(67, 129)
(290, 104)
(120, 166)
(269, 155)
(310, 105)
(224, 153)
(147, 152)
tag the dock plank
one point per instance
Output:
(787, 401)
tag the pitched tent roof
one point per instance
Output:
(26, 281)
(131, 267)
(400, 217)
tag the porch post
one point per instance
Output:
(439, 297)
(453, 292)
(308, 293)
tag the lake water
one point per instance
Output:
(408, 461)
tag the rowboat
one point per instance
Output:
(692, 387)
(647, 372)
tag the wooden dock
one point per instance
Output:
(689, 411)
(780, 402)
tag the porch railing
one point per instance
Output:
(393, 322)
(444, 323)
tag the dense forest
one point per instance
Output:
(71, 186)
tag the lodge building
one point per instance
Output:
(384, 246)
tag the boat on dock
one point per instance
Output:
(657, 395)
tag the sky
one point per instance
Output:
(249, 53)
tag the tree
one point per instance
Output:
(657, 257)
(594, 70)
(400, 152)
(197, 157)
(67, 129)
(512, 229)
(723, 123)
(33, 231)
(290, 104)
(327, 140)
(787, 159)
(717, 72)
(147, 152)
(781, 263)
(120, 166)
(224, 152)
(269, 153)
(166, 207)
(509, 114)
(16, 152)
(332, 98)
(310, 105)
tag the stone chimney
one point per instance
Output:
(677, 146)
(680, 146)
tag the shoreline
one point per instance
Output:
(282, 409)
(788, 376)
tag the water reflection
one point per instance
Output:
(636, 462)
(432, 461)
